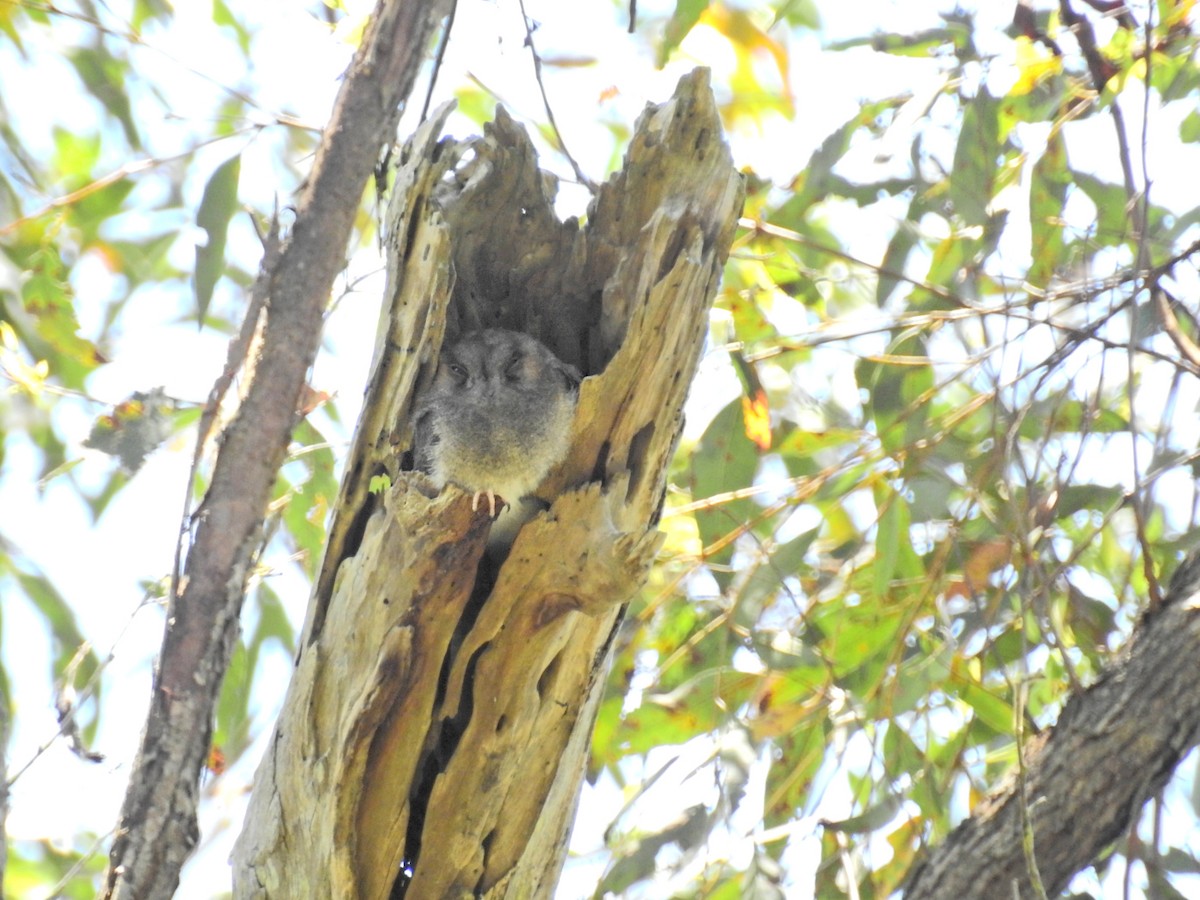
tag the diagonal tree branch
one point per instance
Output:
(157, 828)
(1087, 779)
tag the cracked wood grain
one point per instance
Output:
(157, 829)
(453, 743)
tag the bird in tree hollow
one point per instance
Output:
(495, 420)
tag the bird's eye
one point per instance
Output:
(512, 369)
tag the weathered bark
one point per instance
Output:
(1087, 779)
(157, 829)
(440, 713)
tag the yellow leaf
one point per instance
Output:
(24, 376)
(1035, 64)
(757, 418)
(1180, 10)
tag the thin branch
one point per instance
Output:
(158, 825)
(1170, 323)
(439, 59)
(1101, 70)
(787, 234)
(537, 71)
(1142, 201)
(1028, 845)
(60, 889)
(87, 691)
(137, 40)
(236, 356)
(135, 167)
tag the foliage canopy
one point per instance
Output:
(941, 453)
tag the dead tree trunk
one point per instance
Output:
(435, 732)
(157, 830)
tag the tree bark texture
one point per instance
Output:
(435, 733)
(1086, 780)
(157, 828)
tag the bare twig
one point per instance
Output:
(1170, 323)
(537, 71)
(125, 171)
(60, 889)
(439, 58)
(1138, 205)
(1141, 202)
(1028, 847)
(137, 40)
(788, 234)
(66, 721)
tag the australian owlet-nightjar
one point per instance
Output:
(497, 417)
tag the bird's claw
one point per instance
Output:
(491, 502)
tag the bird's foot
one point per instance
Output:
(492, 498)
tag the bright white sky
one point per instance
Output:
(296, 69)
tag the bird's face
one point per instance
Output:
(500, 367)
(498, 415)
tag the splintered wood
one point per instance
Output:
(435, 733)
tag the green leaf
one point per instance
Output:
(918, 678)
(898, 249)
(769, 576)
(976, 160)
(104, 77)
(993, 711)
(1112, 225)
(724, 460)
(922, 44)
(1176, 860)
(48, 299)
(899, 392)
(216, 211)
(894, 554)
(1093, 497)
(1189, 128)
(306, 510)
(75, 154)
(857, 635)
(273, 623)
(681, 714)
(90, 211)
(816, 180)
(143, 260)
(146, 10)
(98, 502)
(687, 14)
(1160, 886)
(232, 725)
(953, 258)
(60, 620)
(8, 24)
(789, 780)
(222, 15)
(873, 818)
(1047, 195)
(801, 13)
